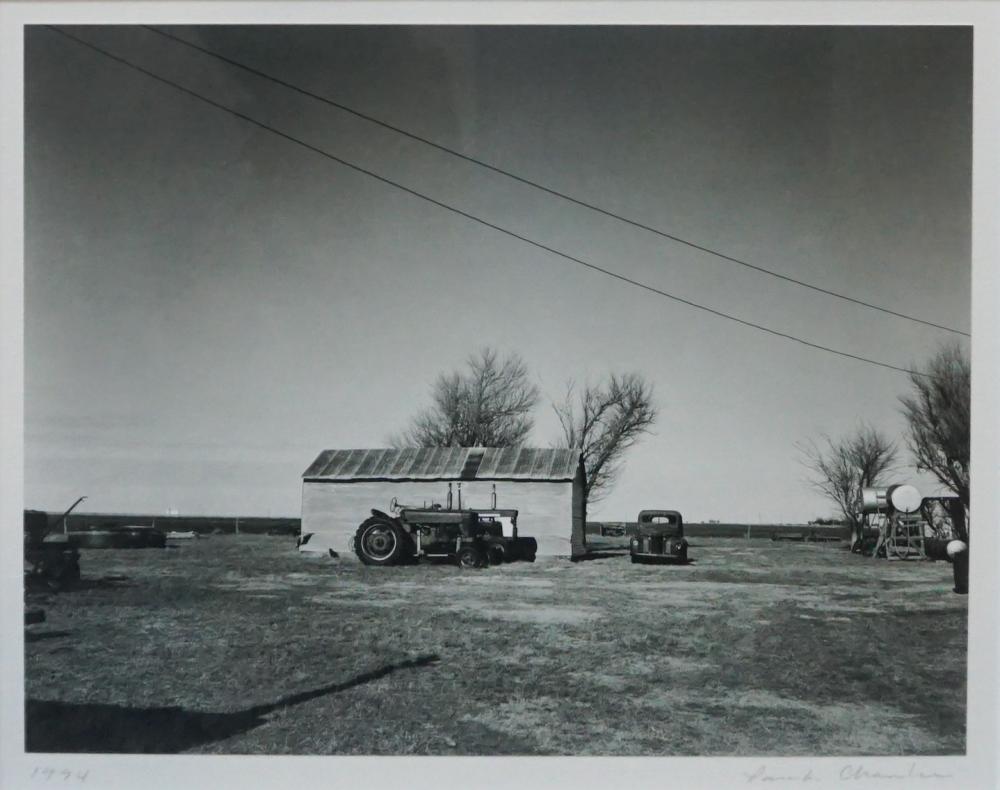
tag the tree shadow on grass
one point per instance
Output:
(39, 636)
(52, 726)
(601, 554)
(38, 584)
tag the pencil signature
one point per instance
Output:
(850, 772)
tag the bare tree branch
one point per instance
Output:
(487, 405)
(842, 468)
(938, 416)
(605, 421)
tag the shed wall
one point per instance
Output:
(333, 511)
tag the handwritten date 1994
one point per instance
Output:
(61, 775)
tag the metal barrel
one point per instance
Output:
(961, 572)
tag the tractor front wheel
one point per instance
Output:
(470, 557)
(496, 550)
(379, 542)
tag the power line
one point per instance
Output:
(536, 185)
(466, 215)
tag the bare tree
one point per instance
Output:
(938, 415)
(487, 405)
(605, 421)
(843, 467)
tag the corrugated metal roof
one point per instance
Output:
(446, 463)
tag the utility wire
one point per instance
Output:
(539, 186)
(469, 216)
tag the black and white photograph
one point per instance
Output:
(506, 389)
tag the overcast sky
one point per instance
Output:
(209, 305)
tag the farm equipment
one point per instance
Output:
(903, 519)
(112, 536)
(472, 538)
(659, 538)
(895, 512)
(49, 558)
(804, 537)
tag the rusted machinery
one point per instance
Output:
(49, 558)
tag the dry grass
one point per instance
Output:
(238, 644)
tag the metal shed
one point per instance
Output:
(545, 486)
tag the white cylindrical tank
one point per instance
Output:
(955, 547)
(905, 499)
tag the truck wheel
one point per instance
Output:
(379, 542)
(470, 557)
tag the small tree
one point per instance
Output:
(489, 404)
(938, 416)
(842, 468)
(605, 421)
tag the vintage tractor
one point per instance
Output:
(49, 558)
(659, 538)
(472, 538)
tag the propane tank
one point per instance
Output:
(901, 498)
(874, 499)
(905, 499)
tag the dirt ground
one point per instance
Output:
(238, 644)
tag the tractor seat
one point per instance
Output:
(470, 526)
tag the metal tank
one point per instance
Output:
(901, 498)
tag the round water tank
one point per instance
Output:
(905, 499)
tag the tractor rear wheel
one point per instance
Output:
(470, 557)
(380, 542)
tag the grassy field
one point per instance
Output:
(237, 644)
